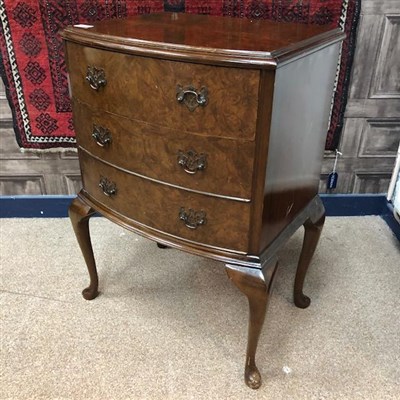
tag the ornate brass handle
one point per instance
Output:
(101, 135)
(96, 77)
(192, 219)
(191, 97)
(191, 162)
(109, 188)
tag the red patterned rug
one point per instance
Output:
(34, 73)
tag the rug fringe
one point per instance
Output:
(51, 150)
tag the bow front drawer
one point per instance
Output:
(214, 165)
(195, 217)
(210, 100)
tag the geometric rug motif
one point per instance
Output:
(34, 72)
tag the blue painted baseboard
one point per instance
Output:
(351, 205)
(34, 206)
(336, 205)
(388, 217)
(57, 206)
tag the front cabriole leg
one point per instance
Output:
(256, 284)
(79, 214)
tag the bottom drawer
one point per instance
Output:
(199, 218)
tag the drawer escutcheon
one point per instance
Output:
(191, 161)
(96, 77)
(192, 219)
(191, 97)
(101, 135)
(109, 188)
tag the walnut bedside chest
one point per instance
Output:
(204, 134)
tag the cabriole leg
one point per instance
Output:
(256, 284)
(79, 214)
(312, 232)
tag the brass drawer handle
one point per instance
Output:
(96, 77)
(191, 162)
(192, 219)
(101, 135)
(191, 97)
(109, 188)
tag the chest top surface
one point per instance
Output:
(205, 37)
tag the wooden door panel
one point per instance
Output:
(371, 130)
(380, 137)
(386, 79)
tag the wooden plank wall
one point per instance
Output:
(32, 173)
(372, 121)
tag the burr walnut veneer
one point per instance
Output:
(205, 134)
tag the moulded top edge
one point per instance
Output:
(205, 38)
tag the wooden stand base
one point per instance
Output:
(255, 283)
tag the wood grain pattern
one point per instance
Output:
(296, 141)
(371, 182)
(19, 185)
(365, 54)
(145, 89)
(260, 206)
(256, 285)
(379, 7)
(206, 38)
(26, 173)
(157, 206)
(370, 34)
(31, 173)
(312, 232)
(152, 151)
(370, 128)
(379, 137)
(373, 108)
(386, 80)
(5, 112)
(79, 214)
(262, 130)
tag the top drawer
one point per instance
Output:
(214, 101)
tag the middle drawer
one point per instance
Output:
(206, 164)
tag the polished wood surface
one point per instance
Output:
(265, 108)
(79, 214)
(205, 134)
(152, 151)
(205, 38)
(145, 89)
(312, 232)
(157, 206)
(301, 105)
(256, 285)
